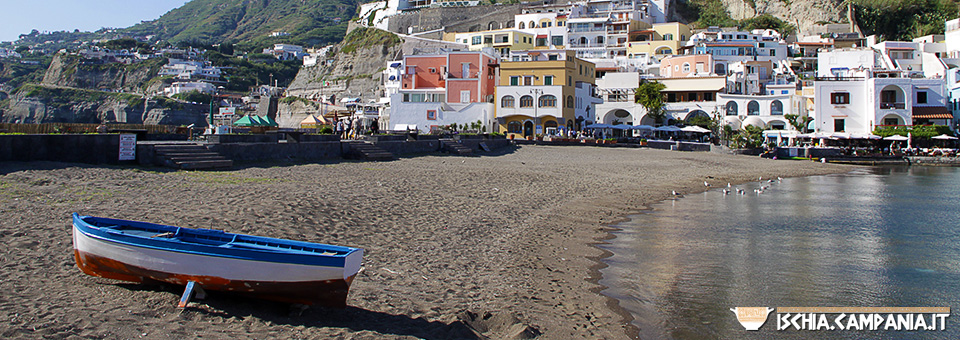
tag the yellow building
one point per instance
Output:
(504, 40)
(544, 91)
(662, 39)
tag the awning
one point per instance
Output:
(541, 36)
(931, 112)
(395, 65)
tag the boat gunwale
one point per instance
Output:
(279, 255)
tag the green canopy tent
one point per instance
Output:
(247, 121)
(267, 121)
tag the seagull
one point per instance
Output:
(770, 181)
(740, 191)
(761, 178)
(728, 184)
(706, 184)
(779, 179)
(675, 193)
(726, 191)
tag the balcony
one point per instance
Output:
(892, 106)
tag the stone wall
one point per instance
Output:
(87, 148)
(455, 19)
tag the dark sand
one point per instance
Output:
(456, 247)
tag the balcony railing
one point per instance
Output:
(892, 106)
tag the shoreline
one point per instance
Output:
(499, 246)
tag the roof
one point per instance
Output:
(814, 43)
(728, 45)
(931, 112)
(694, 84)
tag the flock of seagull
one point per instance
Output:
(729, 189)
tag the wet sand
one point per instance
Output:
(456, 247)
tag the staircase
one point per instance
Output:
(189, 157)
(367, 152)
(453, 147)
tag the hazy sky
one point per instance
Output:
(21, 16)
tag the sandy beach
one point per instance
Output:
(456, 247)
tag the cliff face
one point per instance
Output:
(800, 13)
(35, 104)
(69, 71)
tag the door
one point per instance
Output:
(464, 96)
(465, 71)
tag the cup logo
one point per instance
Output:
(752, 318)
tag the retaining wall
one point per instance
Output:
(86, 148)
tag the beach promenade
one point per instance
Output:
(456, 247)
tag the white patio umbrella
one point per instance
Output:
(944, 137)
(897, 138)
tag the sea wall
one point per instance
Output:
(85, 148)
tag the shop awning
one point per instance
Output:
(931, 112)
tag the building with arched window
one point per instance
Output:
(555, 91)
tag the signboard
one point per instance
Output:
(539, 129)
(226, 111)
(128, 147)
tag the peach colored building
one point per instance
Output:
(690, 65)
(442, 89)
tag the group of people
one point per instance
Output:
(353, 128)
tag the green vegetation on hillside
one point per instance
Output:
(706, 13)
(249, 23)
(251, 71)
(61, 97)
(13, 73)
(904, 19)
(366, 37)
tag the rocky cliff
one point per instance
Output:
(800, 13)
(40, 104)
(71, 71)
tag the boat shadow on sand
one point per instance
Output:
(226, 305)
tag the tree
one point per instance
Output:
(750, 137)
(767, 21)
(798, 122)
(648, 95)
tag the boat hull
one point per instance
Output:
(277, 281)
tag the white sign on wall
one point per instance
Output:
(128, 147)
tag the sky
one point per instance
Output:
(21, 16)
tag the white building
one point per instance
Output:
(285, 51)
(857, 92)
(190, 69)
(185, 87)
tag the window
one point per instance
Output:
(514, 80)
(553, 57)
(514, 127)
(922, 97)
(776, 108)
(477, 40)
(507, 101)
(522, 25)
(668, 36)
(557, 40)
(773, 52)
(686, 67)
(708, 96)
(784, 91)
(839, 98)
(890, 121)
(526, 101)
(888, 96)
(548, 101)
(548, 80)
(838, 125)
(753, 108)
(541, 41)
(528, 80)
(692, 97)
(731, 108)
(570, 101)
(431, 114)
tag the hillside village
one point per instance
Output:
(536, 70)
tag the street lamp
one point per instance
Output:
(536, 102)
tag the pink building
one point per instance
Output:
(689, 65)
(467, 77)
(438, 90)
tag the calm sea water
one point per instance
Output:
(875, 237)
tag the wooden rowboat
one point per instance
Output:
(267, 268)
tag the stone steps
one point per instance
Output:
(454, 147)
(190, 157)
(367, 152)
